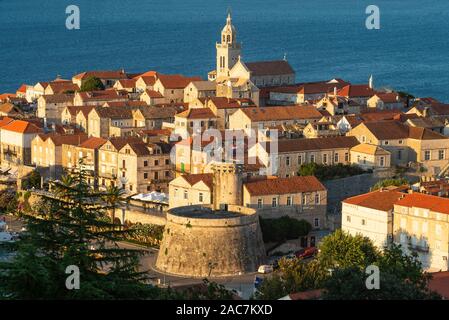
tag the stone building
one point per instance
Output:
(297, 197)
(292, 153)
(47, 152)
(50, 107)
(16, 137)
(136, 166)
(88, 152)
(202, 242)
(406, 144)
(421, 225)
(371, 215)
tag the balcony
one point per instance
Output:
(108, 175)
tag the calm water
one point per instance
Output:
(323, 39)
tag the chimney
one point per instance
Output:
(335, 91)
(425, 112)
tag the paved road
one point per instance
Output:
(244, 284)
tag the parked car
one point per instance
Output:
(265, 268)
(306, 253)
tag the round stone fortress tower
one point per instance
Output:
(202, 242)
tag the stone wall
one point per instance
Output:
(340, 189)
(211, 246)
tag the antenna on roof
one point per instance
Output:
(285, 56)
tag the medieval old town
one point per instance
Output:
(246, 182)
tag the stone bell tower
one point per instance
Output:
(228, 184)
(228, 50)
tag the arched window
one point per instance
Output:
(229, 38)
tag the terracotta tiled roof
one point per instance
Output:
(424, 134)
(176, 81)
(8, 108)
(114, 112)
(5, 120)
(353, 120)
(389, 97)
(127, 83)
(153, 94)
(356, 90)
(369, 149)
(21, 126)
(69, 139)
(379, 200)
(120, 142)
(426, 122)
(193, 179)
(102, 75)
(73, 110)
(282, 113)
(152, 112)
(140, 148)
(62, 86)
(425, 201)
(58, 98)
(263, 68)
(388, 130)
(93, 143)
(22, 89)
(149, 74)
(440, 283)
(5, 96)
(229, 103)
(296, 145)
(197, 113)
(101, 95)
(149, 81)
(440, 109)
(378, 115)
(284, 186)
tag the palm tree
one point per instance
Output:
(114, 197)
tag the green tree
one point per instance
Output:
(400, 278)
(8, 201)
(115, 198)
(390, 182)
(328, 172)
(69, 229)
(284, 228)
(342, 250)
(211, 291)
(293, 276)
(92, 84)
(32, 180)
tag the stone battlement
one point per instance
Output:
(201, 242)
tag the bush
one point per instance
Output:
(8, 201)
(390, 182)
(329, 172)
(284, 228)
(32, 180)
(146, 234)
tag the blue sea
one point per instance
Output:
(323, 39)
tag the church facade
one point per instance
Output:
(236, 79)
